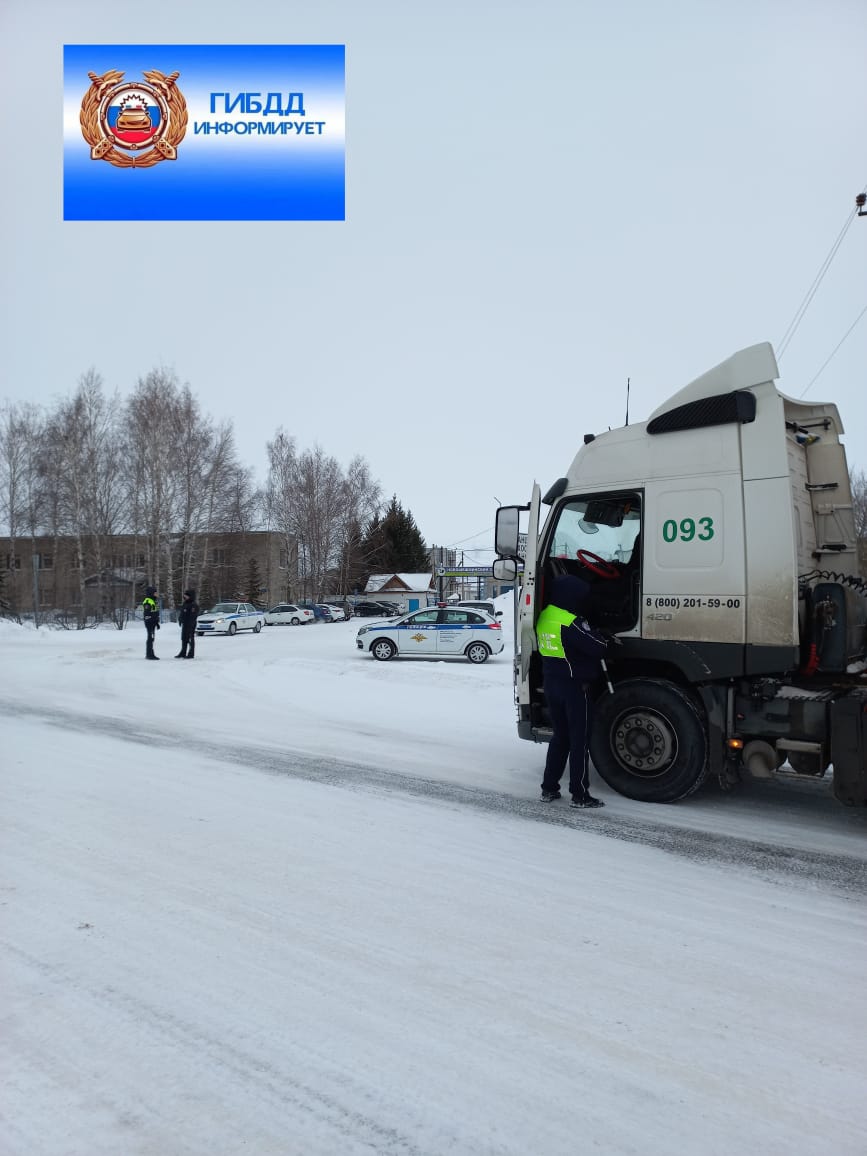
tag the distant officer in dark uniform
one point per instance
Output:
(151, 612)
(187, 616)
(571, 653)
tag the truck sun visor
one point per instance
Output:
(725, 408)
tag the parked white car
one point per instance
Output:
(288, 613)
(229, 618)
(433, 633)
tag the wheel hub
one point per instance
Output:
(644, 743)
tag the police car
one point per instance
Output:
(434, 632)
(229, 618)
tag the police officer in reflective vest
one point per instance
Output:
(151, 612)
(571, 652)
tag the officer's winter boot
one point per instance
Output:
(192, 650)
(182, 653)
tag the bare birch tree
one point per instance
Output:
(280, 501)
(858, 482)
(17, 421)
(362, 502)
(82, 474)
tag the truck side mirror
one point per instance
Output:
(505, 570)
(506, 531)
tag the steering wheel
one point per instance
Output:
(599, 566)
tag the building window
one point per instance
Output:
(218, 557)
(75, 562)
(46, 561)
(13, 562)
(284, 559)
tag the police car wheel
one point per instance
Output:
(383, 650)
(232, 627)
(257, 627)
(477, 652)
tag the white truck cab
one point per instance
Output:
(719, 539)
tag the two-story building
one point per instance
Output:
(57, 573)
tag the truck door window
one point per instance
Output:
(606, 527)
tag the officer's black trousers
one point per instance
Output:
(188, 640)
(569, 708)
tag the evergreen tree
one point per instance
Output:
(374, 558)
(394, 545)
(254, 583)
(409, 553)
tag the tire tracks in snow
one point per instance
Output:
(791, 865)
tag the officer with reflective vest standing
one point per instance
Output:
(571, 654)
(151, 612)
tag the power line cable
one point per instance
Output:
(793, 325)
(836, 347)
(469, 538)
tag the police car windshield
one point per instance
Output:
(225, 608)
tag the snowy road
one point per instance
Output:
(289, 901)
(841, 872)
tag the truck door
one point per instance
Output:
(527, 602)
(597, 537)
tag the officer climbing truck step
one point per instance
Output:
(719, 542)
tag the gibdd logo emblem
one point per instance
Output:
(133, 125)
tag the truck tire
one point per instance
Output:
(649, 741)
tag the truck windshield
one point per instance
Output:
(576, 528)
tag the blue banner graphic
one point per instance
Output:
(204, 132)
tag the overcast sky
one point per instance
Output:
(543, 199)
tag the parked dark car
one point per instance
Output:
(374, 610)
(332, 613)
(318, 612)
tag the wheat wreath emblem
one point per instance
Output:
(94, 110)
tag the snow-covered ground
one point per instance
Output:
(288, 900)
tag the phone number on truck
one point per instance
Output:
(688, 602)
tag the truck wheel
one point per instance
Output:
(648, 741)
